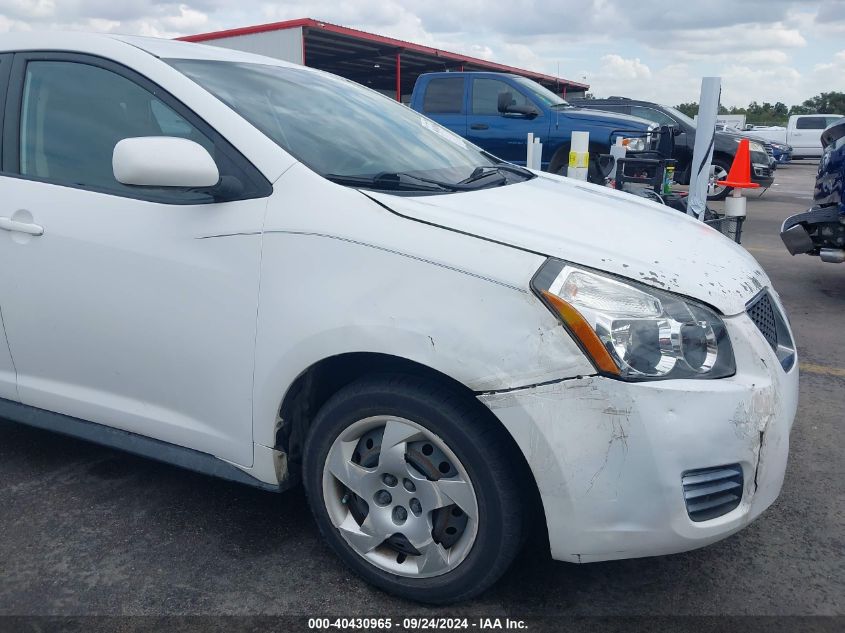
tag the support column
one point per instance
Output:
(702, 154)
(399, 76)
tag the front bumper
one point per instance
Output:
(608, 456)
(763, 175)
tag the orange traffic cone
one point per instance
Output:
(739, 176)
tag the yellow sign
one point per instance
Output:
(579, 159)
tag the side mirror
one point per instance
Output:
(505, 106)
(526, 111)
(163, 161)
(505, 101)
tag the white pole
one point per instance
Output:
(538, 155)
(579, 155)
(529, 151)
(705, 136)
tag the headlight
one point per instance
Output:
(754, 146)
(634, 144)
(632, 331)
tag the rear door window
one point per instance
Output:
(444, 96)
(811, 123)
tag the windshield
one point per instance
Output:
(542, 94)
(679, 115)
(334, 126)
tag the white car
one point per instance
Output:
(273, 275)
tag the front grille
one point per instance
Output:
(770, 150)
(712, 492)
(762, 312)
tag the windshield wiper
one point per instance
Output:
(480, 173)
(388, 181)
(404, 181)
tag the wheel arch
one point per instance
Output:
(723, 156)
(316, 384)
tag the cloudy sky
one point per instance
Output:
(764, 50)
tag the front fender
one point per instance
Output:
(342, 274)
(485, 335)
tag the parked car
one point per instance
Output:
(273, 275)
(781, 153)
(497, 111)
(820, 231)
(803, 132)
(724, 150)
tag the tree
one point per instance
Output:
(690, 109)
(800, 109)
(826, 103)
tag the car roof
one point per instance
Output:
(96, 43)
(619, 100)
(472, 72)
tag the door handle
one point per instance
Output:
(8, 224)
(479, 126)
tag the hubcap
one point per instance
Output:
(717, 173)
(400, 497)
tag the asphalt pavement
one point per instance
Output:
(86, 530)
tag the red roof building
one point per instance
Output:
(382, 63)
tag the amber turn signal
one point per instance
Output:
(584, 333)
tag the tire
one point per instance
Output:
(719, 169)
(363, 421)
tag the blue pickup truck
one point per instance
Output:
(820, 231)
(496, 111)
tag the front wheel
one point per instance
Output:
(413, 488)
(719, 169)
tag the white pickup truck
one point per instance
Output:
(803, 132)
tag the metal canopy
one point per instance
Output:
(382, 63)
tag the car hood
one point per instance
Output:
(602, 117)
(602, 229)
(740, 134)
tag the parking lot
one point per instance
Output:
(86, 530)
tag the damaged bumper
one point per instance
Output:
(818, 231)
(609, 457)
